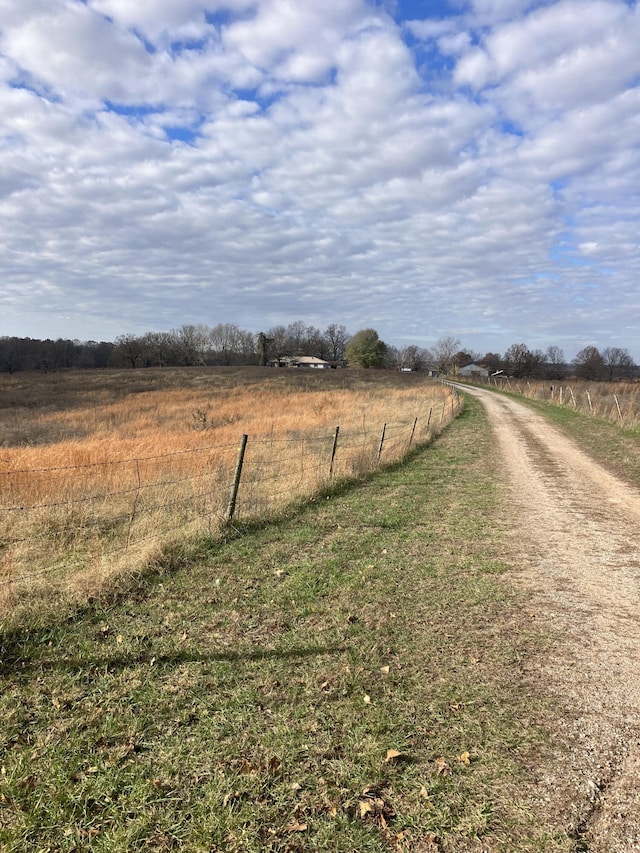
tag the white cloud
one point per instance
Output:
(272, 160)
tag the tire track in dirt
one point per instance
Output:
(578, 558)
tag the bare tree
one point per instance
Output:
(225, 340)
(444, 352)
(518, 360)
(554, 358)
(618, 363)
(129, 349)
(589, 363)
(337, 339)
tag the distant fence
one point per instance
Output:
(618, 402)
(84, 523)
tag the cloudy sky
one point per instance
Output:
(427, 168)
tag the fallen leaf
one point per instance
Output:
(442, 767)
(367, 700)
(384, 669)
(392, 754)
(464, 758)
(366, 807)
(296, 827)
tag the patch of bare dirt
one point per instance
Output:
(579, 560)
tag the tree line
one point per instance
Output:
(227, 344)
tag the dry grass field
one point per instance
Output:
(618, 402)
(101, 470)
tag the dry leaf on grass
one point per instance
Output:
(442, 767)
(296, 827)
(392, 755)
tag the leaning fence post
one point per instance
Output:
(384, 429)
(333, 451)
(231, 508)
(413, 430)
(618, 408)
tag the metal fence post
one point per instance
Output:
(231, 507)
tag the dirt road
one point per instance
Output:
(578, 559)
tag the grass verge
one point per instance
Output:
(345, 679)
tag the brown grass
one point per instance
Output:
(617, 402)
(99, 471)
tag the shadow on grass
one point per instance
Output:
(117, 663)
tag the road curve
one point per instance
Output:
(577, 555)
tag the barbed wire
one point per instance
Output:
(301, 471)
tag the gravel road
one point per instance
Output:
(578, 559)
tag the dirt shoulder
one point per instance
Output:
(578, 560)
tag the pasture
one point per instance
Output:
(101, 471)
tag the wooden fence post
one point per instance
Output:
(384, 429)
(615, 397)
(231, 507)
(413, 430)
(333, 451)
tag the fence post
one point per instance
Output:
(618, 408)
(333, 451)
(231, 508)
(413, 430)
(589, 401)
(384, 429)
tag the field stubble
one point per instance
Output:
(101, 471)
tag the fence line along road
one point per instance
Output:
(97, 519)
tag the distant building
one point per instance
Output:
(473, 370)
(304, 361)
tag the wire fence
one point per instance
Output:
(618, 402)
(83, 524)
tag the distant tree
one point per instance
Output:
(279, 341)
(462, 358)
(247, 348)
(554, 359)
(518, 360)
(618, 363)
(336, 340)
(589, 363)
(491, 360)
(444, 352)
(536, 363)
(411, 357)
(225, 342)
(128, 350)
(262, 348)
(365, 349)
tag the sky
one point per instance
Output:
(420, 167)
